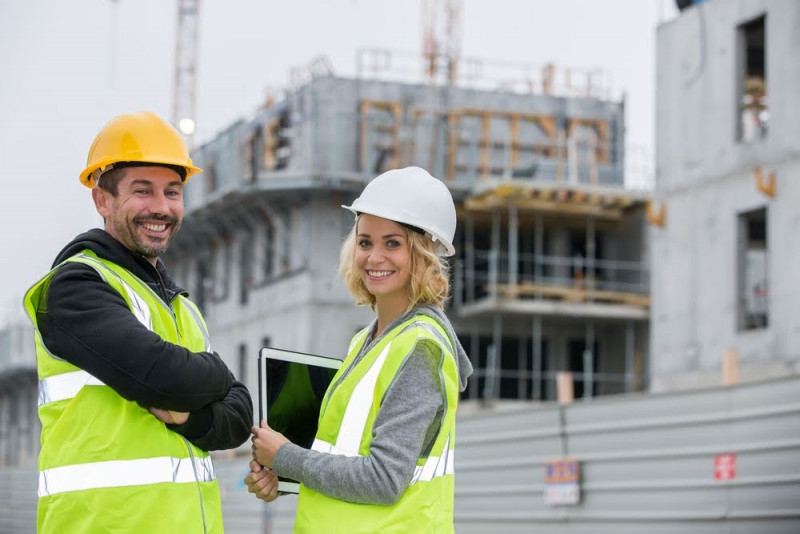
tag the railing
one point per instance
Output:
(486, 74)
(488, 274)
(541, 385)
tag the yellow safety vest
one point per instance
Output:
(107, 464)
(348, 413)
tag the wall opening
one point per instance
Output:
(752, 83)
(753, 267)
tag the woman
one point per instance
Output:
(382, 460)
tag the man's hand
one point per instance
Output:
(266, 443)
(169, 417)
(262, 482)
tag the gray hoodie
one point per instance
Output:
(405, 426)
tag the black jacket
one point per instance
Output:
(84, 321)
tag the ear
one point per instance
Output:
(102, 202)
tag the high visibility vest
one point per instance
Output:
(348, 413)
(106, 464)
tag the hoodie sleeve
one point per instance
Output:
(224, 424)
(87, 323)
(407, 424)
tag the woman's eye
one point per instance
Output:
(364, 243)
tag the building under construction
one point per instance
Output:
(551, 277)
(551, 271)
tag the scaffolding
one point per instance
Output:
(551, 275)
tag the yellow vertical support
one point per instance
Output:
(453, 135)
(362, 134)
(560, 155)
(270, 145)
(730, 367)
(514, 140)
(600, 126)
(485, 145)
(396, 111)
(564, 387)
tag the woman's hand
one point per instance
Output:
(262, 482)
(266, 443)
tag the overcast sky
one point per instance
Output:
(66, 67)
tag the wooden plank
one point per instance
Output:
(573, 294)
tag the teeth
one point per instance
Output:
(155, 227)
(379, 274)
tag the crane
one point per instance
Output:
(185, 87)
(441, 43)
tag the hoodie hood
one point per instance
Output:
(99, 242)
(464, 365)
(105, 246)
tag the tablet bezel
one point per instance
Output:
(286, 486)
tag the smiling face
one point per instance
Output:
(147, 210)
(383, 259)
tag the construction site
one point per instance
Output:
(640, 332)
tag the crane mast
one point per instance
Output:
(441, 39)
(184, 96)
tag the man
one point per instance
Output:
(131, 396)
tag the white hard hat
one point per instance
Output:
(413, 197)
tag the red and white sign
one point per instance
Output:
(562, 479)
(725, 466)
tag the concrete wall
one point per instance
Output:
(706, 178)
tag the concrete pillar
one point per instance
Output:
(629, 355)
(588, 361)
(536, 357)
(513, 248)
(564, 387)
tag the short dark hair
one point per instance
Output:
(110, 179)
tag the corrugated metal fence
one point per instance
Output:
(647, 465)
(647, 462)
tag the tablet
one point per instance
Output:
(291, 386)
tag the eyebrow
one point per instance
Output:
(384, 237)
(142, 181)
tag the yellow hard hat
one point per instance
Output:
(141, 137)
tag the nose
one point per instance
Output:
(376, 255)
(159, 204)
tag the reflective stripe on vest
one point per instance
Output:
(360, 404)
(356, 339)
(357, 411)
(426, 504)
(355, 417)
(138, 305)
(124, 454)
(68, 385)
(435, 466)
(201, 325)
(64, 386)
(118, 473)
(324, 446)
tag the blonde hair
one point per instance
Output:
(429, 283)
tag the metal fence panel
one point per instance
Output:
(647, 465)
